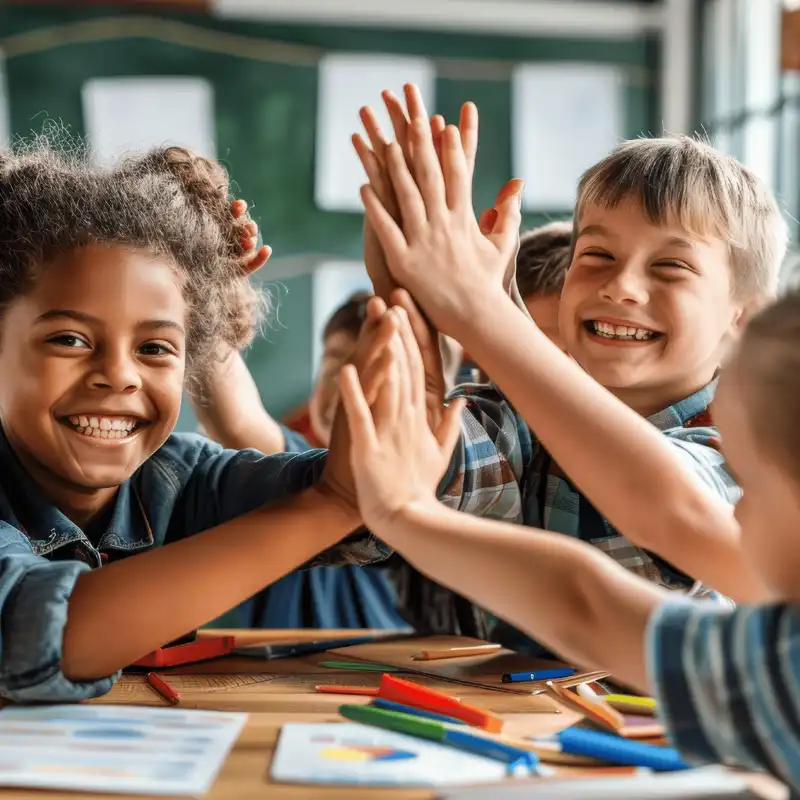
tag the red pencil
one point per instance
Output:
(163, 688)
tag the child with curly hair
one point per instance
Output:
(117, 288)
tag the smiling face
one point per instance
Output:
(647, 310)
(339, 348)
(92, 361)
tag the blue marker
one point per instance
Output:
(390, 705)
(616, 750)
(541, 675)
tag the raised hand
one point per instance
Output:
(370, 363)
(395, 457)
(373, 158)
(252, 257)
(438, 252)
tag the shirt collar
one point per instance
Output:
(48, 528)
(678, 414)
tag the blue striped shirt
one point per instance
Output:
(728, 683)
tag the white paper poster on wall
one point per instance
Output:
(123, 115)
(348, 81)
(5, 111)
(333, 283)
(565, 117)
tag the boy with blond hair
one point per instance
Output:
(673, 245)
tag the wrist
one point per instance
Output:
(407, 517)
(326, 499)
(479, 312)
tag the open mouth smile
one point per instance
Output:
(106, 429)
(621, 333)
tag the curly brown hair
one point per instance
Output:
(170, 201)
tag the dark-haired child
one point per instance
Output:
(542, 263)
(117, 288)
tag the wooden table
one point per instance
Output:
(276, 692)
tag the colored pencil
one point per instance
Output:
(368, 691)
(539, 675)
(457, 652)
(519, 761)
(412, 694)
(388, 705)
(163, 688)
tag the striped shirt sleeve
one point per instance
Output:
(728, 683)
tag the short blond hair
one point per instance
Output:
(709, 194)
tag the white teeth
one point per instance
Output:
(103, 427)
(609, 331)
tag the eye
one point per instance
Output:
(671, 266)
(70, 341)
(157, 349)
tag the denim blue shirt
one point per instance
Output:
(189, 485)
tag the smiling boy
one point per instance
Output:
(673, 244)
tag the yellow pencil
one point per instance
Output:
(457, 652)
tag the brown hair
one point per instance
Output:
(544, 258)
(349, 317)
(708, 193)
(171, 202)
(769, 357)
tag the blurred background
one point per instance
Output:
(272, 89)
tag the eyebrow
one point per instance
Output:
(80, 316)
(676, 241)
(593, 230)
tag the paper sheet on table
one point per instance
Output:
(351, 753)
(119, 749)
(709, 783)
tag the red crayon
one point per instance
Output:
(163, 688)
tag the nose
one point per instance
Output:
(116, 370)
(626, 286)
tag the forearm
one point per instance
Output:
(232, 412)
(588, 432)
(561, 592)
(142, 602)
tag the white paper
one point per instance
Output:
(5, 121)
(565, 118)
(360, 754)
(708, 783)
(333, 282)
(347, 82)
(117, 749)
(123, 115)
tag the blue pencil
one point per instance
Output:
(541, 675)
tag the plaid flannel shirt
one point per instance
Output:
(500, 471)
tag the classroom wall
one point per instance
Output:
(265, 83)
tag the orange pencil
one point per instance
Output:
(163, 688)
(369, 691)
(457, 652)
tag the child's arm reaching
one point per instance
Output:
(141, 602)
(725, 680)
(562, 592)
(231, 411)
(455, 273)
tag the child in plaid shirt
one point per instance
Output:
(673, 245)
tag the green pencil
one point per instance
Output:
(359, 666)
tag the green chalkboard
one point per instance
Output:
(265, 84)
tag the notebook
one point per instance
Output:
(483, 671)
(350, 753)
